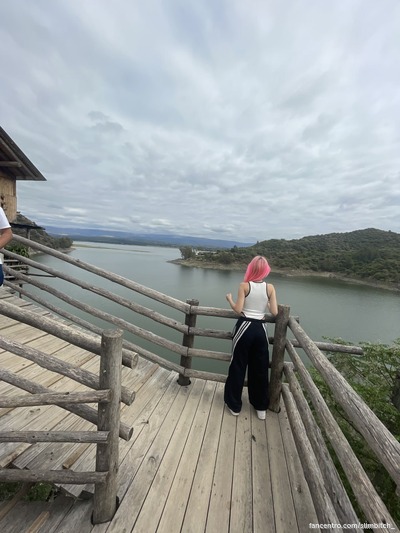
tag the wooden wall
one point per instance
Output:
(8, 196)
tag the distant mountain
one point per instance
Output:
(123, 237)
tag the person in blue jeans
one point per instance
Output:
(5, 237)
(250, 349)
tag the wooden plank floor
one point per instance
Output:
(190, 465)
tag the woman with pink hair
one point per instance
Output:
(250, 339)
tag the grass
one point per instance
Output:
(38, 492)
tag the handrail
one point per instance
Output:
(137, 287)
(384, 445)
(61, 367)
(368, 424)
(363, 489)
(326, 466)
(107, 419)
(85, 412)
(121, 323)
(81, 339)
(59, 398)
(96, 290)
(189, 310)
(324, 507)
(129, 357)
(125, 282)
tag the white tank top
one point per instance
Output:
(256, 302)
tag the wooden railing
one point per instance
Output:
(331, 500)
(185, 351)
(107, 394)
(16, 264)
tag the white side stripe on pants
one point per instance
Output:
(238, 334)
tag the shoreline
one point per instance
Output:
(289, 273)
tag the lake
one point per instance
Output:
(327, 308)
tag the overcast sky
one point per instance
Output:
(233, 119)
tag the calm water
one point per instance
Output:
(327, 308)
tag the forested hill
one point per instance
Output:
(369, 255)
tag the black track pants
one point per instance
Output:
(249, 351)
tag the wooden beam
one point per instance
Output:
(52, 476)
(14, 156)
(84, 411)
(54, 436)
(278, 354)
(60, 367)
(129, 355)
(188, 341)
(323, 505)
(119, 322)
(17, 154)
(10, 164)
(125, 282)
(332, 482)
(59, 398)
(107, 456)
(376, 434)
(368, 498)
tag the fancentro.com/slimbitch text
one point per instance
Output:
(360, 525)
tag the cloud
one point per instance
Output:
(246, 120)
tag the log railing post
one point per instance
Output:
(278, 354)
(107, 457)
(188, 341)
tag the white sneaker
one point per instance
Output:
(261, 414)
(232, 412)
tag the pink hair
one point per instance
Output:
(257, 269)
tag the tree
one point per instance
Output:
(17, 248)
(226, 258)
(187, 252)
(370, 255)
(64, 242)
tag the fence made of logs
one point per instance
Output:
(290, 379)
(106, 391)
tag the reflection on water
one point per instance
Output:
(327, 308)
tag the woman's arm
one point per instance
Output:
(272, 301)
(5, 236)
(238, 306)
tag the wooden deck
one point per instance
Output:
(190, 465)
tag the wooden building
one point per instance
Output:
(14, 165)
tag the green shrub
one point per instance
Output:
(17, 248)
